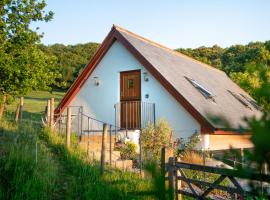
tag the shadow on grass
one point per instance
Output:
(42, 98)
(27, 116)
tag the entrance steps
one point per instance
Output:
(92, 146)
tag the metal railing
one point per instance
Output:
(134, 114)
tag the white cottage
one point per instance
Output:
(132, 81)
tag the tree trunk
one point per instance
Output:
(2, 106)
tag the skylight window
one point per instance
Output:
(239, 98)
(252, 102)
(206, 93)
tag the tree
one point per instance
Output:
(24, 67)
(208, 55)
(255, 80)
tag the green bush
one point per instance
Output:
(129, 151)
(153, 138)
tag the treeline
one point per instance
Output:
(234, 58)
(69, 60)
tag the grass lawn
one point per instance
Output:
(36, 101)
(34, 104)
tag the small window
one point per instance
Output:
(130, 83)
(239, 98)
(206, 93)
(252, 102)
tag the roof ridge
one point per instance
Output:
(177, 53)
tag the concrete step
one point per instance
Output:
(94, 146)
(95, 138)
(122, 164)
(96, 155)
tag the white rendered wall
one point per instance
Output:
(98, 101)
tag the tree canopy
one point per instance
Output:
(23, 65)
(70, 60)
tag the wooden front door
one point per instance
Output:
(130, 99)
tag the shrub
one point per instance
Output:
(129, 151)
(192, 157)
(153, 138)
(187, 147)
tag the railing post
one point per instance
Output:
(103, 149)
(88, 131)
(154, 113)
(171, 178)
(126, 115)
(110, 145)
(81, 120)
(115, 121)
(68, 125)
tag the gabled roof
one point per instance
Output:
(173, 69)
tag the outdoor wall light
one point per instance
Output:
(96, 81)
(145, 76)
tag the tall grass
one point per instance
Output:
(22, 176)
(51, 171)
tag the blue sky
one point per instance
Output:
(174, 23)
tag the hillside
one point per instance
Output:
(241, 62)
(70, 59)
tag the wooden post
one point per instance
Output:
(68, 129)
(265, 168)
(52, 114)
(140, 155)
(242, 157)
(48, 112)
(103, 149)
(175, 179)
(2, 106)
(21, 110)
(110, 145)
(171, 178)
(17, 113)
(178, 183)
(163, 171)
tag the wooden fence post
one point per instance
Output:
(52, 114)
(178, 183)
(163, 172)
(17, 113)
(110, 145)
(68, 128)
(48, 112)
(171, 178)
(21, 110)
(103, 148)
